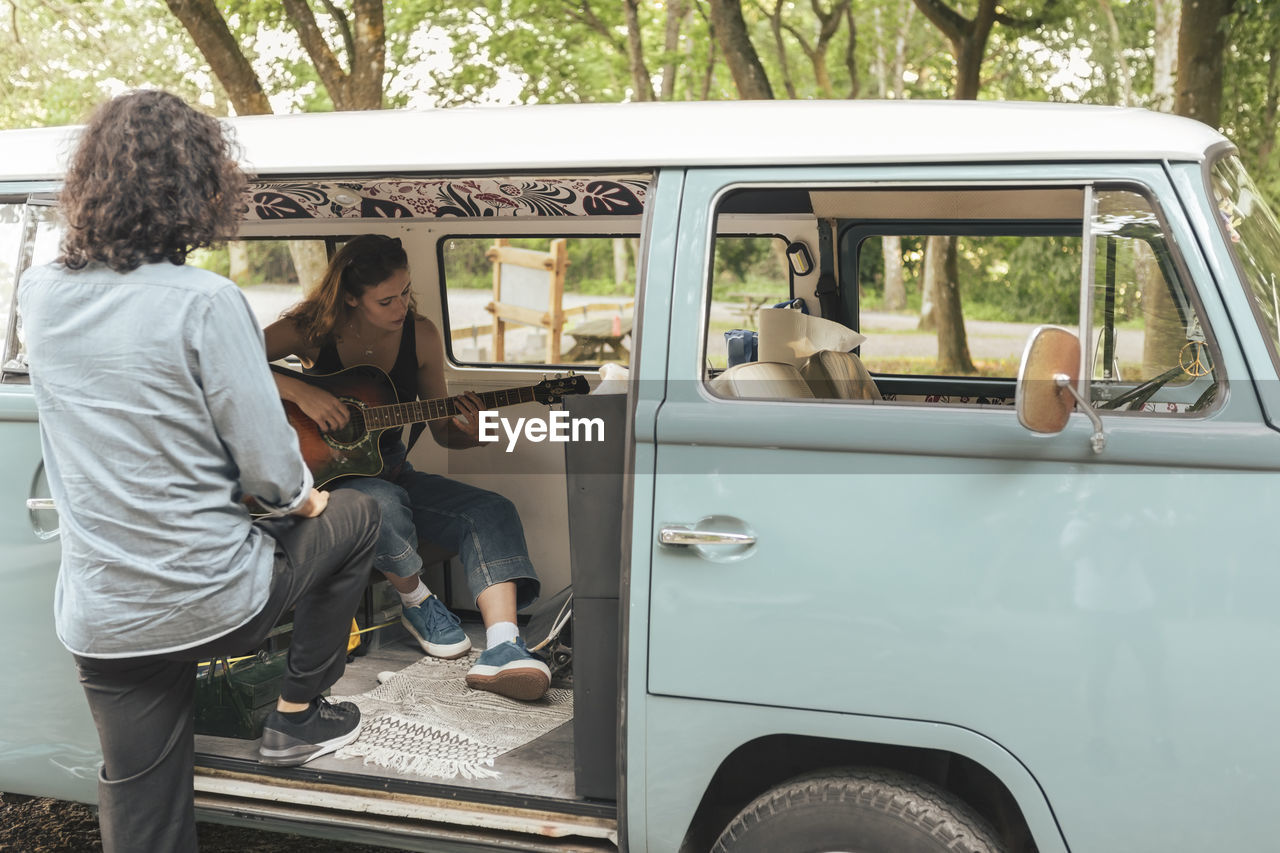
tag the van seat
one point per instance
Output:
(840, 376)
(771, 380)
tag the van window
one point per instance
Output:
(1253, 235)
(539, 300)
(979, 269)
(749, 272)
(32, 240)
(273, 274)
(1009, 281)
(10, 242)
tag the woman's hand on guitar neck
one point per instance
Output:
(467, 421)
(327, 411)
(313, 505)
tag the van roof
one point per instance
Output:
(639, 136)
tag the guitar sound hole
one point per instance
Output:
(354, 429)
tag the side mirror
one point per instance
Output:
(1046, 391)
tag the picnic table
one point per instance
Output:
(592, 338)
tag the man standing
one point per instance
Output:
(158, 415)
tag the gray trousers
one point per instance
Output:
(143, 707)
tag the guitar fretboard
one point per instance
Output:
(400, 414)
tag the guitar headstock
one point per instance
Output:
(548, 392)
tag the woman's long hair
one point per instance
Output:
(151, 180)
(362, 262)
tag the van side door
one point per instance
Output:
(48, 745)
(919, 570)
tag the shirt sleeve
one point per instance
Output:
(245, 404)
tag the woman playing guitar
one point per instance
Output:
(362, 314)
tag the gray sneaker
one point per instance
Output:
(329, 727)
(436, 629)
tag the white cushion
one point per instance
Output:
(761, 379)
(839, 375)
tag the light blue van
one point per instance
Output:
(1000, 580)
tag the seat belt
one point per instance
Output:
(828, 290)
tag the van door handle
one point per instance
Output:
(688, 536)
(36, 505)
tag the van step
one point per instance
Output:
(408, 821)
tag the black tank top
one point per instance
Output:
(404, 373)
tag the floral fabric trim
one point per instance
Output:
(414, 198)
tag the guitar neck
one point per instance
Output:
(400, 414)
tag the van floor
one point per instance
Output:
(540, 770)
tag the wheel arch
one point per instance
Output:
(765, 762)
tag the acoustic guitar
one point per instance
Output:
(370, 397)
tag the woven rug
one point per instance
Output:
(424, 720)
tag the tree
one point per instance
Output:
(204, 22)
(358, 86)
(887, 76)
(968, 39)
(739, 53)
(1251, 90)
(59, 59)
(1201, 40)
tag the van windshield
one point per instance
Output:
(1253, 234)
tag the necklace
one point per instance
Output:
(360, 341)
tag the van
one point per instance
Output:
(1000, 583)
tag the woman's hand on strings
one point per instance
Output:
(328, 412)
(467, 421)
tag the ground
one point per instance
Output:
(38, 825)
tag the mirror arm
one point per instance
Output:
(1098, 439)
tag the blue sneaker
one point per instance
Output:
(437, 630)
(508, 669)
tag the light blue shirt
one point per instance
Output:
(157, 414)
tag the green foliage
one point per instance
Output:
(59, 60)
(1015, 279)
(1251, 82)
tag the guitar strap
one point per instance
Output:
(415, 432)
(404, 373)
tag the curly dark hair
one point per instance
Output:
(151, 180)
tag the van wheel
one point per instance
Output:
(859, 811)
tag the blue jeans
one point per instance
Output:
(481, 527)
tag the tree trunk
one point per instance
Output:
(739, 53)
(953, 346)
(621, 264)
(1201, 40)
(1165, 66)
(891, 83)
(641, 82)
(775, 24)
(227, 61)
(895, 289)
(360, 87)
(238, 262)
(309, 261)
(1269, 112)
(677, 13)
(934, 271)
(969, 50)
(851, 54)
(1117, 47)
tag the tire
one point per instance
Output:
(857, 811)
